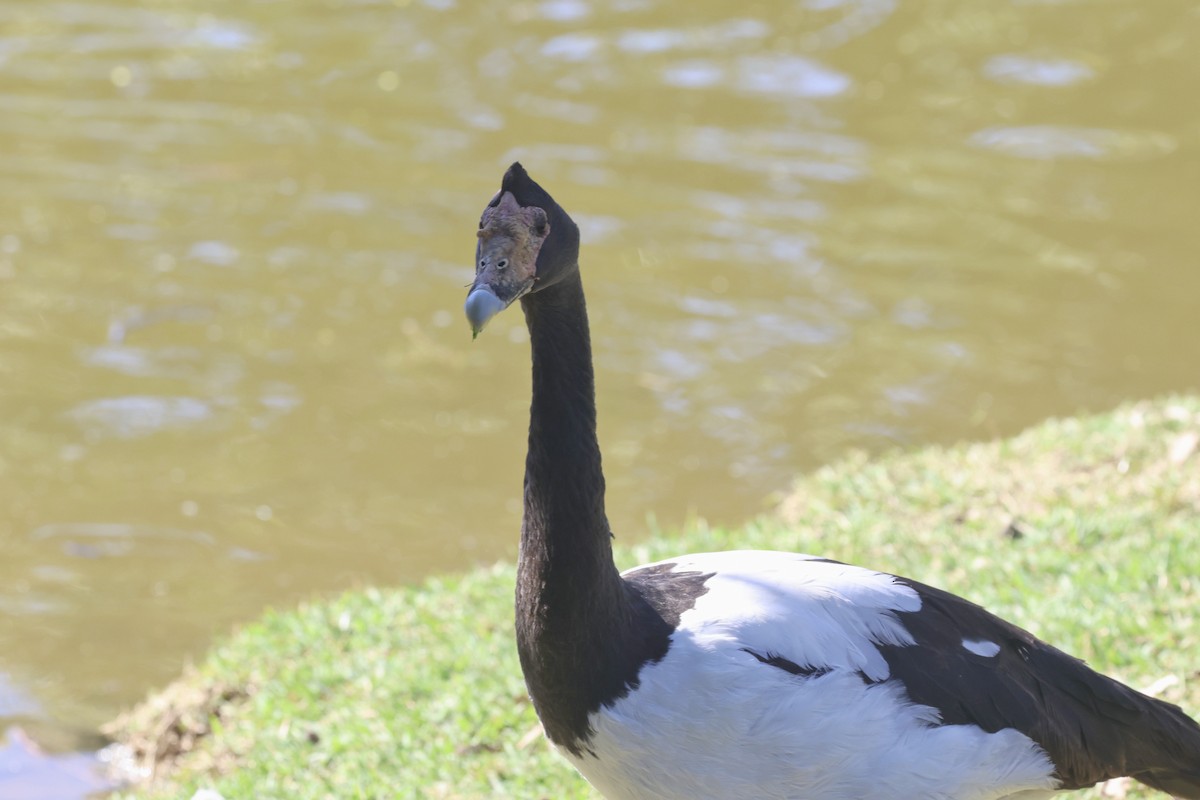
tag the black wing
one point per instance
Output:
(1092, 727)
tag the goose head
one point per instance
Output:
(526, 243)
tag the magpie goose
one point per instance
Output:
(762, 674)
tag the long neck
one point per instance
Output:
(570, 598)
(566, 547)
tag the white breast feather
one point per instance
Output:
(711, 721)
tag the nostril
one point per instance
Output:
(502, 263)
(482, 262)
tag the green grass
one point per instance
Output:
(1086, 531)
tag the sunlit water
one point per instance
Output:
(234, 241)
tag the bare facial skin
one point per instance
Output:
(510, 237)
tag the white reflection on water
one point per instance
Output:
(176, 362)
(216, 253)
(1045, 72)
(789, 75)
(651, 41)
(140, 415)
(220, 34)
(660, 40)
(565, 10)
(695, 73)
(571, 47)
(1048, 142)
(775, 74)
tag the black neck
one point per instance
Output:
(571, 603)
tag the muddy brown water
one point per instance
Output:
(234, 240)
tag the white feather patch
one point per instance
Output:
(981, 647)
(815, 613)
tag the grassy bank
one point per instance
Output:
(1086, 531)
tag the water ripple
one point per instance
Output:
(658, 40)
(173, 362)
(788, 75)
(213, 252)
(564, 10)
(1047, 142)
(115, 539)
(781, 75)
(1012, 68)
(571, 47)
(136, 416)
(693, 74)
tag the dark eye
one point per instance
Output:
(502, 263)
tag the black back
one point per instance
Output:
(1092, 727)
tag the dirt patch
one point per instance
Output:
(151, 739)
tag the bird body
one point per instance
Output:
(768, 675)
(775, 686)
